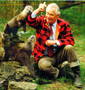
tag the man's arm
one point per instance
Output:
(32, 19)
(41, 8)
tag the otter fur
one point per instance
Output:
(24, 54)
(18, 21)
(2, 51)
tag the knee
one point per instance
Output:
(68, 47)
(44, 64)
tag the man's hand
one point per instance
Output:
(52, 42)
(42, 7)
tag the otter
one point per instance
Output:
(18, 21)
(11, 29)
(24, 56)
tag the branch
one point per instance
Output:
(71, 5)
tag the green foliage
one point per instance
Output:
(82, 72)
(79, 35)
(2, 88)
(3, 21)
(75, 15)
(24, 35)
(10, 9)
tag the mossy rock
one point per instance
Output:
(13, 85)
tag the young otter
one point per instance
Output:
(18, 21)
(11, 28)
(24, 54)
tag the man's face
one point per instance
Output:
(51, 16)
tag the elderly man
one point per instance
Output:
(54, 41)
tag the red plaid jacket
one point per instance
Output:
(43, 33)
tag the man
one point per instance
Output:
(54, 41)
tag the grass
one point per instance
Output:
(79, 36)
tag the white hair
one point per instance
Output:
(55, 7)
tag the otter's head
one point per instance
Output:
(28, 9)
(31, 42)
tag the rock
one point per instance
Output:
(7, 69)
(23, 74)
(11, 70)
(21, 86)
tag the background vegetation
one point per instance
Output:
(75, 15)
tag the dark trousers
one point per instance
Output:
(50, 64)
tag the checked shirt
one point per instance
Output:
(43, 33)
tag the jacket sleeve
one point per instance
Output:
(34, 22)
(66, 36)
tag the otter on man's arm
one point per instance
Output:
(18, 21)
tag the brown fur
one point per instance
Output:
(18, 21)
(2, 51)
(24, 53)
(21, 52)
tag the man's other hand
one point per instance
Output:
(52, 42)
